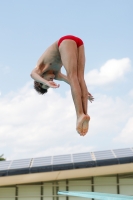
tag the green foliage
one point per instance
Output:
(1, 158)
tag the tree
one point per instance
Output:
(1, 158)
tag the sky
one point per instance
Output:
(33, 125)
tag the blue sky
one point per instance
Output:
(27, 28)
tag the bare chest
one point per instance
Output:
(52, 59)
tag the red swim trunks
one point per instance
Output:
(78, 41)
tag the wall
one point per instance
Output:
(116, 184)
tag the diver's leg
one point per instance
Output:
(69, 56)
(84, 91)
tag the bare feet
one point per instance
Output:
(82, 124)
(86, 125)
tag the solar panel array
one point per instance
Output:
(4, 165)
(66, 159)
(23, 163)
(62, 159)
(82, 157)
(123, 152)
(101, 155)
(42, 161)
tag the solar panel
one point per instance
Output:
(69, 161)
(4, 165)
(82, 157)
(101, 155)
(42, 161)
(17, 164)
(62, 159)
(127, 152)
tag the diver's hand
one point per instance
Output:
(52, 84)
(90, 97)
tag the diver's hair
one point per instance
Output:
(38, 88)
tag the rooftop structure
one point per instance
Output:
(67, 166)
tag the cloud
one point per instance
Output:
(113, 70)
(126, 135)
(33, 125)
(65, 149)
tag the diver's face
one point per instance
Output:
(49, 76)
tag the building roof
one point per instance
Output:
(89, 161)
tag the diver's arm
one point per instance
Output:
(61, 77)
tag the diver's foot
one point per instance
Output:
(86, 125)
(82, 124)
